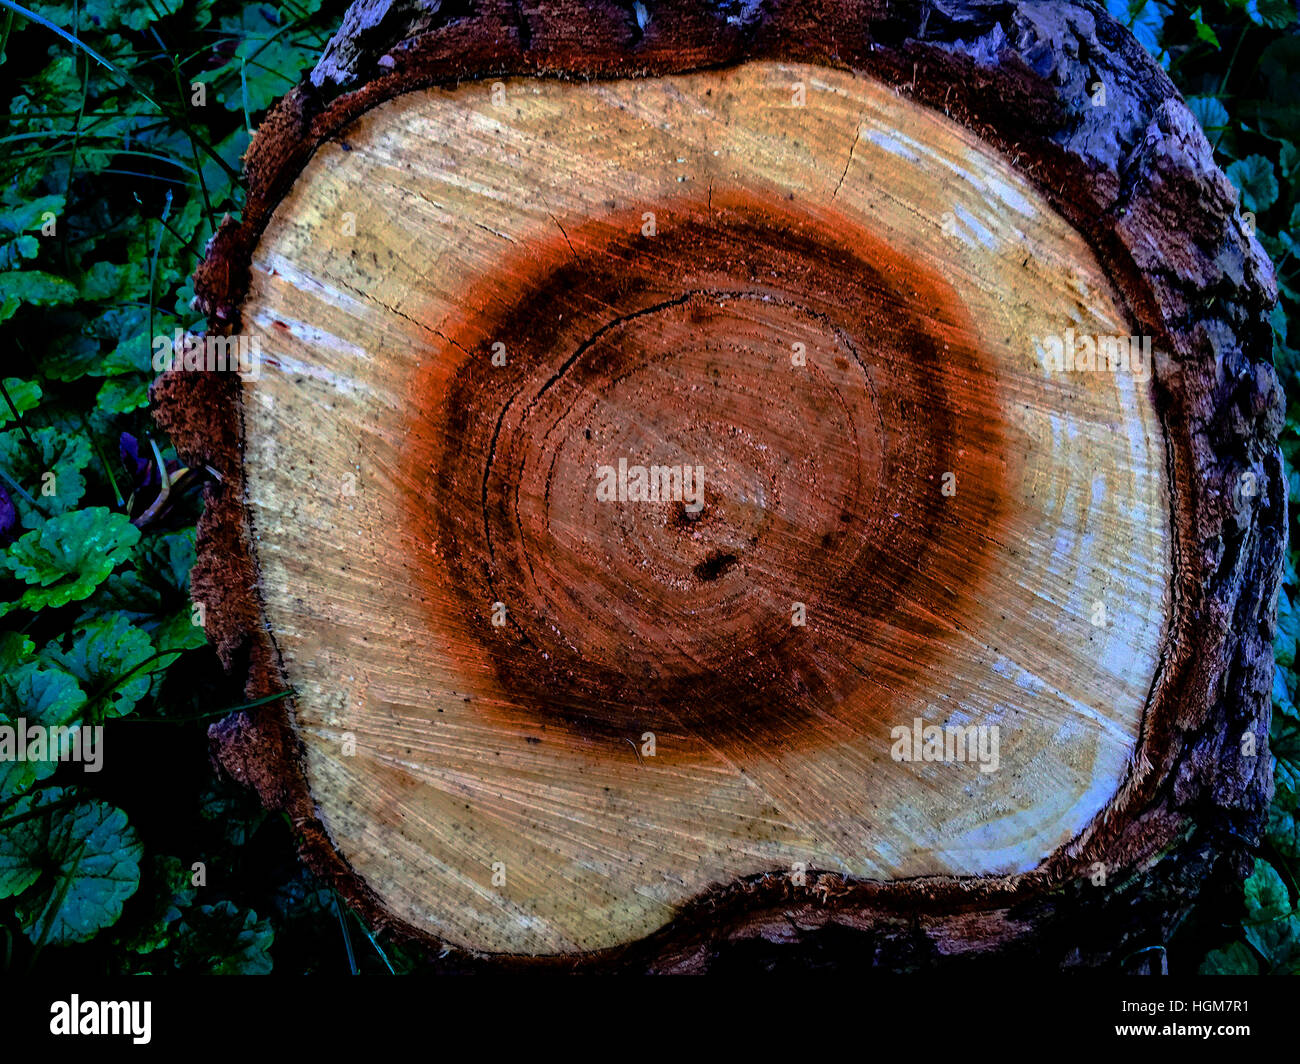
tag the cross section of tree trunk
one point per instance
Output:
(711, 476)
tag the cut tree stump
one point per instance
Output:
(739, 481)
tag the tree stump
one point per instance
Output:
(797, 479)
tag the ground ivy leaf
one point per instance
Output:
(111, 281)
(1283, 829)
(1237, 959)
(1204, 31)
(154, 595)
(1276, 14)
(1209, 112)
(1266, 894)
(103, 652)
(171, 894)
(1283, 704)
(1288, 629)
(222, 940)
(102, 14)
(121, 395)
(135, 353)
(43, 695)
(1255, 180)
(128, 328)
(62, 454)
(1145, 19)
(22, 844)
(90, 866)
(179, 632)
(15, 650)
(69, 556)
(20, 216)
(139, 17)
(77, 356)
(32, 286)
(25, 395)
(1284, 745)
(1278, 81)
(1271, 924)
(1278, 940)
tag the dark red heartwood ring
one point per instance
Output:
(615, 321)
(1136, 178)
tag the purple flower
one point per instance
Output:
(142, 471)
(8, 518)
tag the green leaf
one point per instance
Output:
(1276, 14)
(1235, 960)
(69, 556)
(26, 395)
(233, 813)
(1283, 828)
(221, 940)
(1279, 86)
(16, 650)
(1266, 896)
(1284, 744)
(135, 352)
(121, 395)
(110, 281)
(1278, 940)
(76, 356)
(102, 14)
(20, 218)
(127, 328)
(20, 214)
(102, 657)
(171, 894)
(141, 16)
(154, 595)
(1145, 19)
(267, 62)
(1271, 925)
(179, 632)
(87, 859)
(42, 695)
(1209, 112)
(1203, 31)
(1256, 182)
(1282, 699)
(51, 473)
(21, 844)
(1288, 630)
(20, 287)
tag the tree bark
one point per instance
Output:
(830, 257)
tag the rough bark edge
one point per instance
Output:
(1137, 179)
